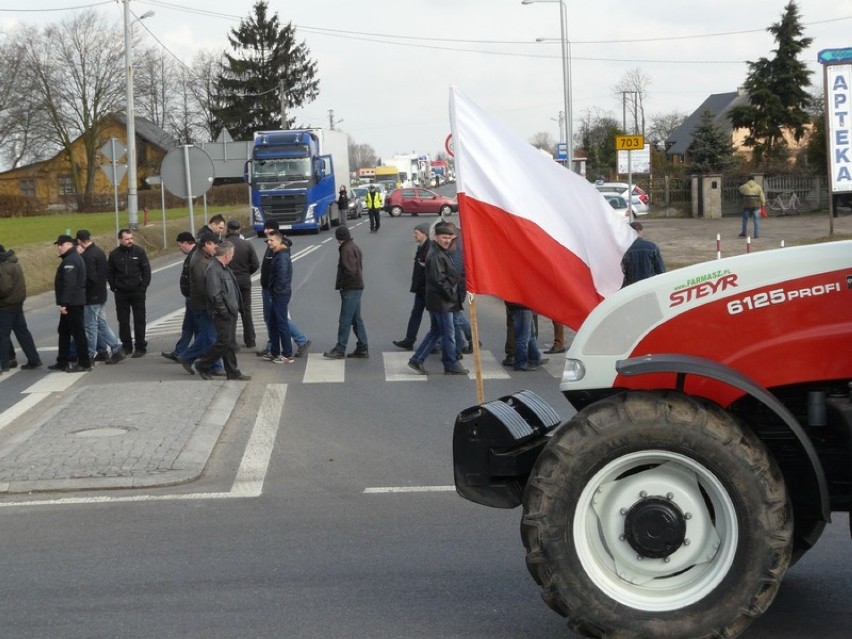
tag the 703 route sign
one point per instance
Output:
(629, 142)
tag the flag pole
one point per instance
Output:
(477, 361)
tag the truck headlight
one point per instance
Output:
(256, 217)
(574, 371)
(309, 214)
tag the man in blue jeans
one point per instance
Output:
(350, 283)
(442, 301)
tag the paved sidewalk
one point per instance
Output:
(96, 438)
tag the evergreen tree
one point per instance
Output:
(711, 150)
(266, 60)
(777, 90)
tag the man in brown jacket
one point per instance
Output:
(350, 283)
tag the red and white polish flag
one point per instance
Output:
(534, 232)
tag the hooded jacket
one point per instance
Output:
(96, 274)
(13, 287)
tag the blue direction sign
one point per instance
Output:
(561, 151)
(833, 56)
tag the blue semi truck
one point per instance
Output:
(294, 177)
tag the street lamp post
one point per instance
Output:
(132, 199)
(566, 76)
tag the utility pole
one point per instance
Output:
(331, 119)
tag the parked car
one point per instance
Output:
(639, 199)
(356, 202)
(415, 201)
(619, 205)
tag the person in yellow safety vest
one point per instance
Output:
(373, 202)
(753, 199)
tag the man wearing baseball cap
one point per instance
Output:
(70, 288)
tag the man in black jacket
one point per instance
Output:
(223, 306)
(129, 275)
(69, 286)
(186, 244)
(243, 266)
(442, 300)
(418, 287)
(98, 332)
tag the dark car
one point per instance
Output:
(415, 201)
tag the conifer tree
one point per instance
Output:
(266, 60)
(778, 93)
(711, 150)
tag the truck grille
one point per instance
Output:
(284, 209)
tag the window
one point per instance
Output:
(66, 185)
(27, 188)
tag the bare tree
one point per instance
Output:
(361, 155)
(77, 74)
(155, 83)
(662, 126)
(201, 84)
(544, 141)
(631, 92)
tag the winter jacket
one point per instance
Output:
(128, 269)
(281, 274)
(753, 195)
(441, 282)
(350, 270)
(69, 285)
(96, 274)
(198, 264)
(641, 260)
(184, 273)
(418, 271)
(13, 287)
(245, 262)
(223, 293)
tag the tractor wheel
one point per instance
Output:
(655, 514)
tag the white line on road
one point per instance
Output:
(408, 489)
(255, 463)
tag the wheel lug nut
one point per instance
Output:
(687, 516)
(643, 493)
(686, 542)
(670, 496)
(622, 511)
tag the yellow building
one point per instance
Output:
(50, 181)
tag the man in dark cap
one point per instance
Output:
(244, 264)
(373, 203)
(442, 300)
(418, 287)
(350, 283)
(186, 243)
(69, 285)
(98, 332)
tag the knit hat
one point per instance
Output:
(342, 233)
(185, 236)
(233, 225)
(423, 228)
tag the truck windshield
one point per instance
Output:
(269, 174)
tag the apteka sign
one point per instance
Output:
(838, 116)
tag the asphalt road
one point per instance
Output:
(356, 534)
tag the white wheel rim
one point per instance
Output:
(692, 571)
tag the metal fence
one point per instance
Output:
(673, 195)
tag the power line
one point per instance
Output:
(81, 6)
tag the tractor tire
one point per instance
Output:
(653, 514)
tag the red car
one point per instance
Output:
(415, 201)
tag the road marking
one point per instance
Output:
(252, 471)
(397, 370)
(321, 370)
(53, 383)
(408, 489)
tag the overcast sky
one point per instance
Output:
(385, 66)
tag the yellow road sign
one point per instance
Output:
(629, 142)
